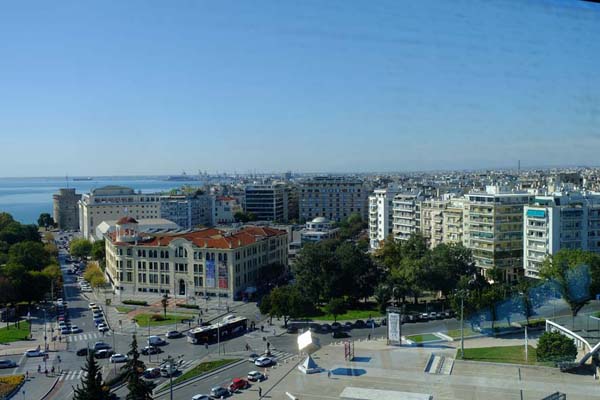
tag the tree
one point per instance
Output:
(271, 272)
(382, 296)
(244, 217)
(314, 270)
(571, 271)
(31, 255)
(336, 307)
(164, 301)
(448, 263)
(351, 226)
(98, 251)
(138, 388)
(94, 275)
(91, 382)
(80, 247)
(45, 220)
(357, 267)
(286, 302)
(553, 346)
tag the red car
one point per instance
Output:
(238, 384)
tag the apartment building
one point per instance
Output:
(206, 262)
(332, 197)
(381, 214)
(493, 229)
(318, 229)
(188, 210)
(559, 221)
(452, 229)
(432, 221)
(113, 202)
(225, 208)
(268, 202)
(406, 215)
(65, 209)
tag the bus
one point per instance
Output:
(229, 327)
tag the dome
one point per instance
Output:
(126, 220)
(319, 220)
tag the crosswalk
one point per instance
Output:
(87, 336)
(281, 356)
(72, 375)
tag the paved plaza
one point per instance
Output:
(382, 367)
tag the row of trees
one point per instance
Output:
(28, 267)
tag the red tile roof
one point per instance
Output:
(208, 238)
(226, 198)
(126, 220)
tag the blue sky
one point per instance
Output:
(155, 87)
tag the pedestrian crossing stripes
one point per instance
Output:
(281, 355)
(71, 375)
(86, 336)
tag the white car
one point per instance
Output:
(92, 305)
(167, 370)
(118, 358)
(263, 361)
(86, 289)
(75, 329)
(201, 397)
(256, 376)
(103, 328)
(34, 353)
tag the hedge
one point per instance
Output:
(194, 306)
(135, 302)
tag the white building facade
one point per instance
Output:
(381, 214)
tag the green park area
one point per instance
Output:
(159, 319)
(455, 333)
(502, 354)
(425, 337)
(366, 311)
(13, 334)
(124, 309)
(203, 368)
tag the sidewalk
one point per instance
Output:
(37, 331)
(36, 386)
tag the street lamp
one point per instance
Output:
(462, 293)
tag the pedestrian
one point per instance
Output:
(259, 392)
(39, 368)
(26, 375)
(369, 337)
(206, 346)
(329, 373)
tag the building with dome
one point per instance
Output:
(320, 228)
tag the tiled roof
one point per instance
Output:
(207, 238)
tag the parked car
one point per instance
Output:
(34, 353)
(336, 326)
(92, 306)
(103, 328)
(75, 329)
(200, 397)
(173, 334)
(7, 364)
(65, 330)
(371, 323)
(325, 328)
(152, 373)
(118, 358)
(423, 317)
(263, 362)
(359, 323)
(217, 392)
(433, 315)
(348, 325)
(238, 384)
(252, 357)
(339, 334)
(151, 350)
(256, 376)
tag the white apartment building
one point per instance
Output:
(332, 197)
(225, 208)
(559, 221)
(110, 203)
(493, 229)
(381, 214)
(406, 215)
(318, 229)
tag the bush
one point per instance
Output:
(553, 346)
(194, 306)
(9, 383)
(135, 302)
(157, 317)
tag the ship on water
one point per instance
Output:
(183, 177)
(85, 178)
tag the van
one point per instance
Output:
(156, 341)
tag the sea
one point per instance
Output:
(26, 198)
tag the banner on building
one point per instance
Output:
(210, 273)
(223, 276)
